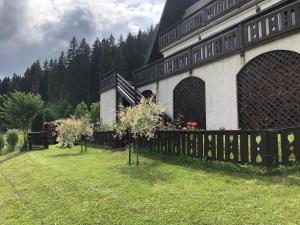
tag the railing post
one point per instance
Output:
(270, 155)
(190, 61)
(241, 34)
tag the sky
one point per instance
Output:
(41, 29)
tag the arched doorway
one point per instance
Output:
(269, 91)
(189, 101)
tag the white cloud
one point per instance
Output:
(41, 28)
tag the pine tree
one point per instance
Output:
(16, 82)
(44, 81)
(120, 64)
(5, 86)
(95, 60)
(61, 75)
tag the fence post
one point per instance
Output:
(29, 142)
(46, 140)
(271, 152)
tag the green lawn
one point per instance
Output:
(62, 186)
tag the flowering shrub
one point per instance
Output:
(71, 130)
(176, 125)
(143, 119)
(191, 125)
(179, 121)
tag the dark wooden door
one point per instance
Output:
(189, 101)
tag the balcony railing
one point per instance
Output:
(265, 25)
(202, 17)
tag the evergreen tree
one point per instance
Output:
(61, 75)
(6, 86)
(75, 77)
(16, 83)
(44, 81)
(95, 59)
(120, 64)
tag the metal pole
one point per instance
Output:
(129, 144)
(137, 152)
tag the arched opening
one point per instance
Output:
(148, 94)
(189, 101)
(269, 91)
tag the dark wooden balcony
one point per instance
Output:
(201, 18)
(263, 27)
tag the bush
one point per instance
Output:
(70, 131)
(12, 138)
(1, 143)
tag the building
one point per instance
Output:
(226, 64)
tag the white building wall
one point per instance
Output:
(151, 87)
(108, 103)
(221, 96)
(221, 84)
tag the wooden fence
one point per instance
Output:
(264, 147)
(109, 139)
(38, 140)
(50, 128)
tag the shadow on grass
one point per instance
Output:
(284, 175)
(65, 155)
(147, 172)
(12, 156)
(100, 147)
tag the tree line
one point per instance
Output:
(74, 76)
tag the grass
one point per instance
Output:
(61, 186)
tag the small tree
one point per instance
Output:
(70, 131)
(81, 111)
(95, 112)
(20, 109)
(86, 132)
(142, 120)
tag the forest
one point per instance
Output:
(74, 76)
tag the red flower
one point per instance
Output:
(192, 124)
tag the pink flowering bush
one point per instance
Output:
(71, 130)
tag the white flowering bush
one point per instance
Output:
(142, 120)
(71, 130)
